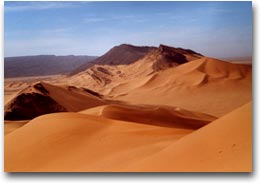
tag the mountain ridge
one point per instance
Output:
(42, 65)
(126, 54)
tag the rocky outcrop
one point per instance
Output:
(119, 55)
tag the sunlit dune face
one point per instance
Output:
(128, 87)
(181, 117)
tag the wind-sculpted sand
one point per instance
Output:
(83, 142)
(225, 145)
(171, 110)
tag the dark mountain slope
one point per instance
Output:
(119, 55)
(42, 65)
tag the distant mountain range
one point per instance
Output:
(42, 65)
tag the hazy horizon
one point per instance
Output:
(216, 29)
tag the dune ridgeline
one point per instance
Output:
(134, 109)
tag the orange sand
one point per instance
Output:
(225, 145)
(81, 142)
(153, 116)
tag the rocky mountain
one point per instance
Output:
(42, 65)
(123, 54)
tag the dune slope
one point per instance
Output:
(10, 126)
(155, 115)
(134, 109)
(204, 85)
(43, 98)
(224, 145)
(125, 63)
(84, 142)
(81, 142)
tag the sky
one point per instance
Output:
(216, 29)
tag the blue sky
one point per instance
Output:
(216, 29)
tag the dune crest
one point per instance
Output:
(155, 115)
(43, 98)
(80, 142)
(224, 145)
(191, 86)
(105, 74)
(148, 109)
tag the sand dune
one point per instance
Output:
(81, 142)
(43, 98)
(154, 80)
(224, 145)
(10, 126)
(76, 98)
(102, 77)
(193, 86)
(12, 86)
(153, 109)
(154, 115)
